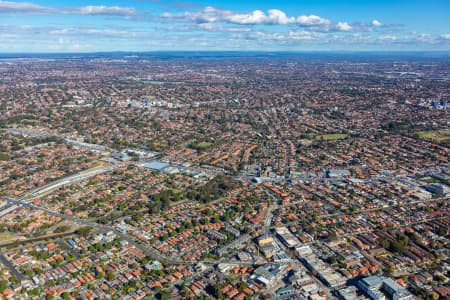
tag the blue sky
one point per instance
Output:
(153, 25)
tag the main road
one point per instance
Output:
(97, 226)
(124, 236)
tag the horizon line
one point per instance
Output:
(233, 51)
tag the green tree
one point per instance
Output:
(83, 231)
(3, 285)
(165, 295)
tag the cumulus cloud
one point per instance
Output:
(343, 26)
(216, 26)
(316, 23)
(273, 17)
(445, 36)
(210, 15)
(206, 15)
(312, 20)
(377, 23)
(381, 25)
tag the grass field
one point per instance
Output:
(7, 237)
(203, 145)
(331, 137)
(436, 135)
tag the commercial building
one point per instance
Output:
(287, 238)
(337, 173)
(281, 257)
(265, 239)
(326, 274)
(396, 291)
(156, 165)
(374, 286)
(371, 286)
(437, 188)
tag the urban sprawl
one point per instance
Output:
(224, 176)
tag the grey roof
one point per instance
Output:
(156, 165)
(373, 280)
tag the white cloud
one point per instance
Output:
(68, 45)
(314, 23)
(311, 20)
(377, 23)
(111, 33)
(60, 31)
(388, 38)
(273, 17)
(104, 10)
(216, 28)
(279, 37)
(8, 36)
(424, 37)
(256, 17)
(445, 36)
(301, 35)
(96, 32)
(22, 7)
(7, 7)
(343, 26)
